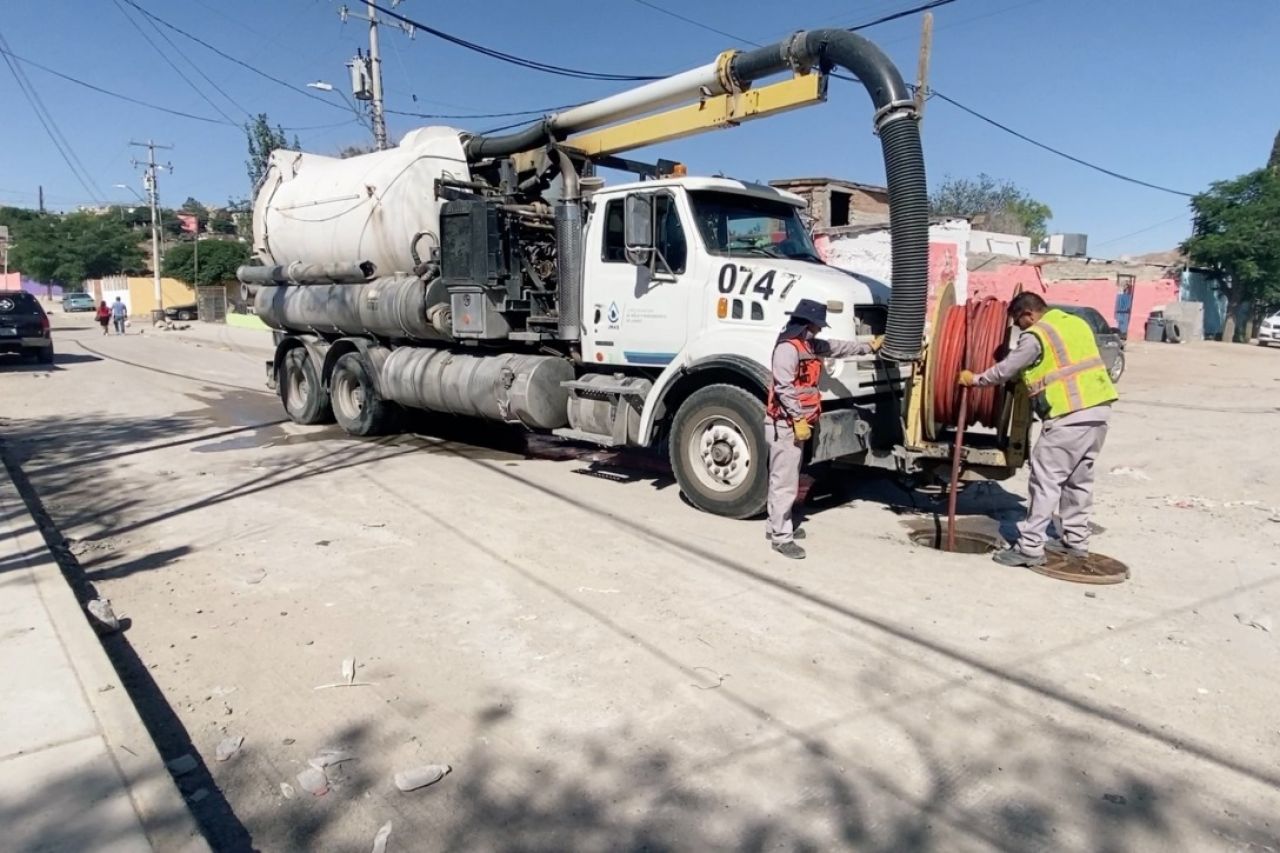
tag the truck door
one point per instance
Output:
(635, 314)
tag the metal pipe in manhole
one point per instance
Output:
(967, 542)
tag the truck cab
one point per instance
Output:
(728, 261)
(687, 281)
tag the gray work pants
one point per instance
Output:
(785, 458)
(1062, 463)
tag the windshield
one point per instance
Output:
(739, 225)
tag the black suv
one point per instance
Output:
(24, 327)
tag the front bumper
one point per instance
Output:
(1270, 334)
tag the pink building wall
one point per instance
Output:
(1099, 294)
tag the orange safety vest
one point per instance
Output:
(808, 373)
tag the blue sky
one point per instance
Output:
(1175, 92)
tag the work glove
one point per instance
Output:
(967, 378)
(803, 430)
(877, 342)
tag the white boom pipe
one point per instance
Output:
(678, 89)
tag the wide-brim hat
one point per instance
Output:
(810, 311)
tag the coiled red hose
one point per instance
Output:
(970, 338)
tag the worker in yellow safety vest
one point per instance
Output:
(1058, 359)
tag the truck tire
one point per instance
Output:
(718, 451)
(357, 405)
(1116, 370)
(304, 398)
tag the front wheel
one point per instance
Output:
(718, 451)
(357, 406)
(301, 391)
(1116, 370)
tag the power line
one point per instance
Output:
(1094, 166)
(655, 7)
(924, 7)
(1182, 215)
(112, 94)
(905, 13)
(162, 22)
(198, 69)
(128, 99)
(219, 110)
(492, 53)
(46, 119)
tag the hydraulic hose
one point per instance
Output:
(895, 121)
(970, 338)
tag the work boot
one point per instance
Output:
(795, 534)
(1059, 547)
(789, 549)
(1017, 559)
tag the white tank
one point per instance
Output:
(320, 209)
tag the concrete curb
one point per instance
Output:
(160, 807)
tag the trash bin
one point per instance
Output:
(1155, 328)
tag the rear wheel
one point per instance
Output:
(357, 406)
(185, 315)
(40, 355)
(304, 398)
(718, 451)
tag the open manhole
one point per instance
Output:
(1095, 568)
(967, 541)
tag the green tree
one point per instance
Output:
(263, 139)
(998, 205)
(219, 260)
(67, 249)
(1236, 231)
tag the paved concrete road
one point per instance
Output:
(605, 668)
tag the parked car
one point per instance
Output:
(1110, 342)
(1269, 331)
(24, 327)
(78, 302)
(181, 312)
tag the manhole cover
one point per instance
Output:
(1095, 568)
(966, 542)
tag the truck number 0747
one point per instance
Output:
(764, 286)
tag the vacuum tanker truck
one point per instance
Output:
(499, 277)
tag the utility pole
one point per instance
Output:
(153, 199)
(366, 72)
(40, 195)
(375, 67)
(922, 69)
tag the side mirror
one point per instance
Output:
(638, 228)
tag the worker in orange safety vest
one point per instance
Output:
(792, 413)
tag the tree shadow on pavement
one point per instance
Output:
(539, 785)
(73, 811)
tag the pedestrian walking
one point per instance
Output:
(119, 314)
(103, 316)
(791, 416)
(1058, 360)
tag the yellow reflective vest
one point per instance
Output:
(1070, 374)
